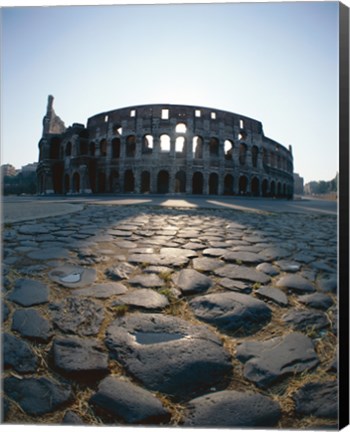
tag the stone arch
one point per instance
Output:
(147, 144)
(265, 156)
(103, 147)
(228, 149)
(279, 189)
(180, 146)
(255, 154)
(255, 186)
(213, 184)
(57, 178)
(197, 183)
(130, 149)
(197, 146)
(114, 181)
(76, 182)
(181, 128)
(228, 184)
(284, 190)
(66, 183)
(213, 147)
(264, 188)
(68, 150)
(145, 182)
(92, 149)
(129, 181)
(83, 147)
(115, 148)
(242, 153)
(243, 184)
(180, 181)
(273, 188)
(165, 143)
(101, 182)
(163, 182)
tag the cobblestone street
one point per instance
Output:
(140, 314)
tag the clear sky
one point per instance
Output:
(275, 62)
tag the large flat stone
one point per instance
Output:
(30, 324)
(232, 311)
(273, 294)
(163, 352)
(80, 358)
(318, 399)
(306, 319)
(206, 264)
(144, 298)
(232, 409)
(102, 291)
(317, 300)
(18, 355)
(244, 257)
(37, 396)
(28, 292)
(46, 253)
(80, 316)
(190, 281)
(295, 283)
(270, 361)
(233, 271)
(147, 281)
(73, 276)
(128, 402)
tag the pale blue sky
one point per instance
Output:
(275, 62)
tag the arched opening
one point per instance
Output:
(129, 181)
(101, 179)
(145, 182)
(92, 149)
(76, 183)
(279, 189)
(273, 188)
(197, 146)
(264, 188)
(228, 149)
(58, 178)
(181, 128)
(115, 148)
(66, 184)
(130, 146)
(55, 148)
(180, 147)
(147, 144)
(284, 190)
(243, 183)
(255, 186)
(68, 151)
(197, 183)
(228, 184)
(163, 182)
(255, 152)
(83, 148)
(180, 182)
(165, 143)
(213, 184)
(117, 130)
(265, 156)
(213, 147)
(272, 159)
(103, 147)
(114, 181)
(242, 154)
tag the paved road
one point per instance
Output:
(16, 209)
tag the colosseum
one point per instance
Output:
(162, 148)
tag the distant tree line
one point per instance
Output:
(22, 183)
(322, 187)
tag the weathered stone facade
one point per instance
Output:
(163, 148)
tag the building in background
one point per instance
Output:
(298, 184)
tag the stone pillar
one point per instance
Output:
(205, 182)
(235, 186)
(189, 175)
(84, 180)
(221, 185)
(48, 182)
(153, 182)
(137, 180)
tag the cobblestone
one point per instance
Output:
(193, 306)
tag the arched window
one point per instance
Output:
(228, 149)
(83, 147)
(165, 143)
(68, 151)
(147, 144)
(55, 148)
(180, 145)
(103, 147)
(213, 184)
(228, 184)
(130, 146)
(92, 149)
(115, 148)
(163, 182)
(197, 183)
(243, 183)
(76, 182)
(255, 186)
(129, 181)
(145, 182)
(181, 128)
(197, 147)
(180, 182)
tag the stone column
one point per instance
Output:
(84, 180)
(205, 182)
(137, 180)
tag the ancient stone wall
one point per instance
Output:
(165, 149)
